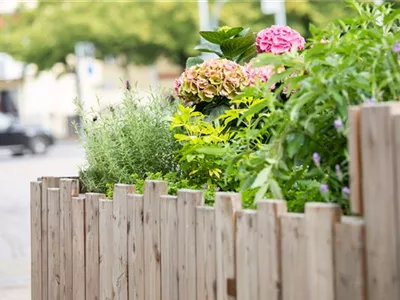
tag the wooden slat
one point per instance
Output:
(294, 263)
(78, 248)
(36, 241)
(92, 268)
(380, 202)
(269, 247)
(68, 188)
(319, 223)
(53, 237)
(106, 248)
(47, 182)
(205, 253)
(169, 248)
(152, 239)
(136, 247)
(226, 206)
(188, 200)
(350, 259)
(120, 236)
(247, 256)
(354, 142)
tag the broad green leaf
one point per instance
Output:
(235, 47)
(217, 37)
(209, 48)
(192, 61)
(275, 189)
(262, 177)
(212, 151)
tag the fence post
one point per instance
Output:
(53, 237)
(350, 259)
(354, 142)
(78, 248)
(226, 206)
(120, 240)
(269, 247)
(47, 182)
(247, 262)
(36, 241)
(380, 202)
(294, 263)
(169, 247)
(205, 253)
(92, 273)
(68, 188)
(106, 248)
(152, 239)
(320, 219)
(136, 247)
(188, 200)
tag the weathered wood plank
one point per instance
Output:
(47, 182)
(269, 248)
(106, 248)
(53, 237)
(36, 241)
(319, 223)
(78, 248)
(188, 200)
(226, 206)
(354, 141)
(247, 255)
(350, 259)
(380, 201)
(68, 188)
(120, 236)
(205, 253)
(169, 247)
(152, 238)
(136, 247)
(294, 263)
(92, 256)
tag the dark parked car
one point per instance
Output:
(19, 138)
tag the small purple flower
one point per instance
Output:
(396, 48)
(339, 172)
(217, 189)
(128, 85)
(338, 123)
(205, 186)
(316, 159)
(370, 100)
(324, 188)
(346, 191)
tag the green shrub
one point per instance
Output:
(132, 137)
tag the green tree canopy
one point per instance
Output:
(138, 32)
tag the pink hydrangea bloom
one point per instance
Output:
(261, 74)
(279, 39)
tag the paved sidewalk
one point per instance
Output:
(16, 293)
(15, 175)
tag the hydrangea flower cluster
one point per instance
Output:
(279, 39)
(212, 78)
(261, 74)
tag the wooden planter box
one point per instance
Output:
(155, 246)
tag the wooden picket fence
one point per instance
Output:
(155, 246)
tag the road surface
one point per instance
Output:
(63, 159)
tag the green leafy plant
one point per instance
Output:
(132, 137)
(233, 43)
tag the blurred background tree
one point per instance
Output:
(135, 32)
